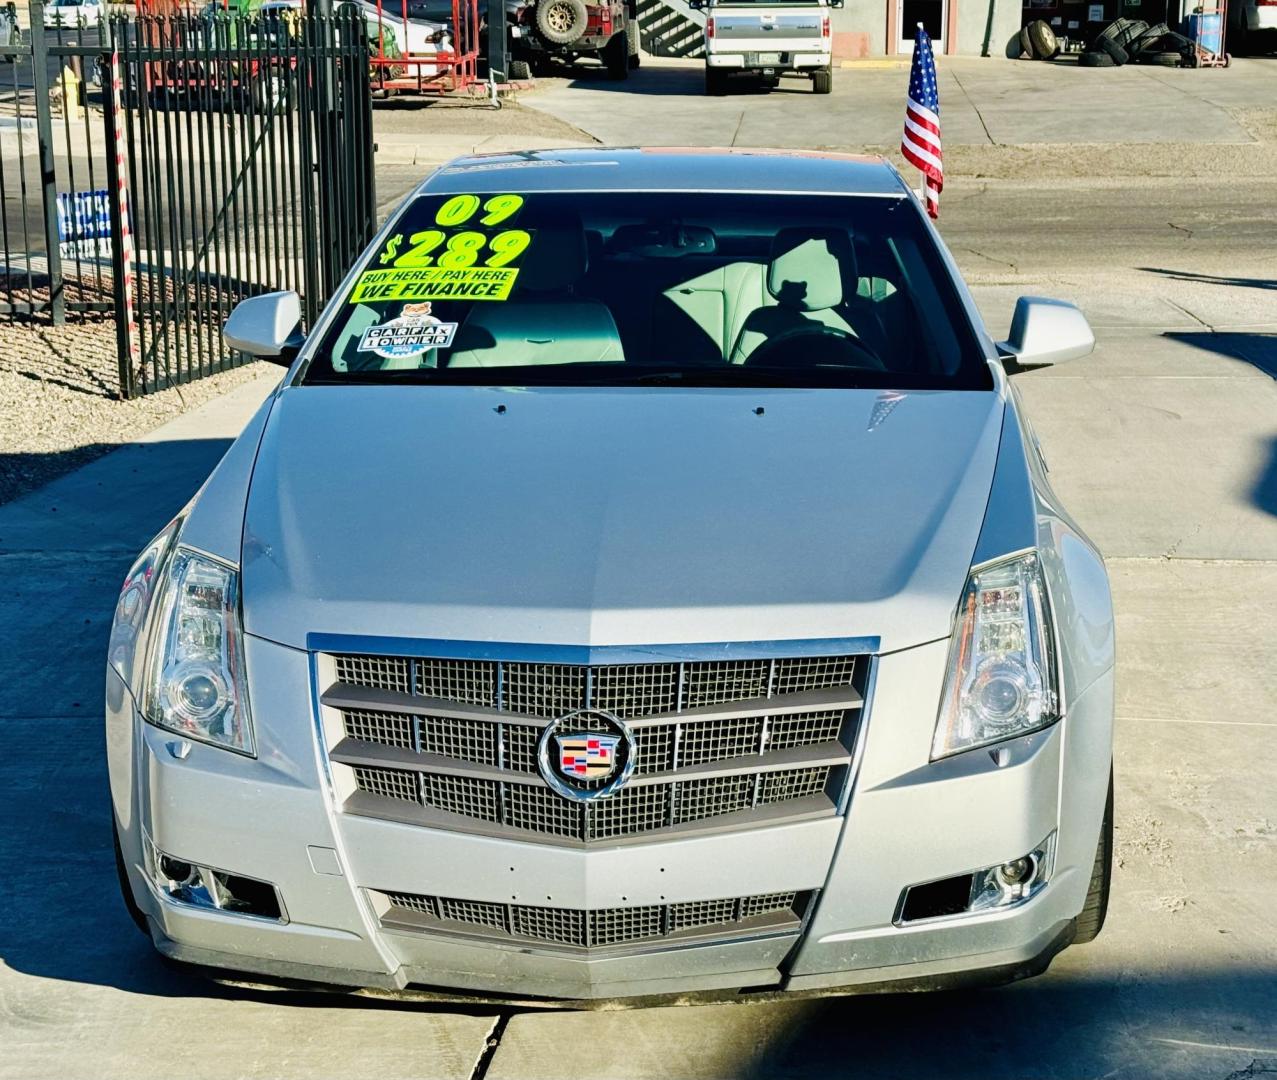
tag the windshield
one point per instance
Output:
(632, 288)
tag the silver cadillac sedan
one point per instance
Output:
(644, 581)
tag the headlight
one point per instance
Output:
(134, 605)
(196, 685)
(1002, 679)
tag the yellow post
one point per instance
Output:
(70, 84)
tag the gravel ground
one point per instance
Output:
(59, 404)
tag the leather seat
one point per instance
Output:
(547, 323)
(808, 275)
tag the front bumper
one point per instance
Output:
(274, 818)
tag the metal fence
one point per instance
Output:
(162, 169)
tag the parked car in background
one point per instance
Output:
(1252, 26)
(72, 12)
(547, 31)
(767, 39)
(645, 580)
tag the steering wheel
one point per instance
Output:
(779, 351)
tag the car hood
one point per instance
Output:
(619, 516)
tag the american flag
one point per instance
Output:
(921, 142)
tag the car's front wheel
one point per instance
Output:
(1091, 921)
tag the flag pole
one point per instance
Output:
(922, 176)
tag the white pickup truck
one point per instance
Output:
(766, 38)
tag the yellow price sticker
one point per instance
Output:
(434, 283)
(434, 247)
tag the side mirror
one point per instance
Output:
(835, 3)
(696, 5)
(267, 326)
(1046, 332)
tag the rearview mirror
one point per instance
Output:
(1046, 332)
(267, 326)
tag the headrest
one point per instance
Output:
(810, 268)
(556, 259)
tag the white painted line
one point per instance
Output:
(1181, 720)
(1218, 1046)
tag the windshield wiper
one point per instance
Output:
(732, 375)
(815, 376)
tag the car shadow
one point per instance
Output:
(1062, 1024)
(1256, 349)
(1259, 350)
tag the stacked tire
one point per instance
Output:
(1111, 48)
(1126, 41)
(1160, 44)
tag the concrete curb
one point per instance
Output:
(875, 65)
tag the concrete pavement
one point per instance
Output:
(80, 993)
(982, 101)
(1164, 445)
(1157, 442)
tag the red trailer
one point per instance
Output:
(423, 46)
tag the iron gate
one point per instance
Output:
(232, 156)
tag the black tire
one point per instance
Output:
(616, 58)
(1026, 44)
(1045, 45)
(715, 82)
(561, 22)
(126, 890)
(1115, 52)
(520, 71)
(1095, 910)
(1131, 32)
(1149, 35)
(1095, 60)
(1163, 58)
(822, 81)
(1114, 29)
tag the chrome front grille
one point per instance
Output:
(628, 690)
(592, 929)
(453, 743)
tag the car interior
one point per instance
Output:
(668, 292)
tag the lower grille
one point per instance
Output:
(597, 928)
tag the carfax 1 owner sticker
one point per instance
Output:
(470, 252)
(414, 332)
